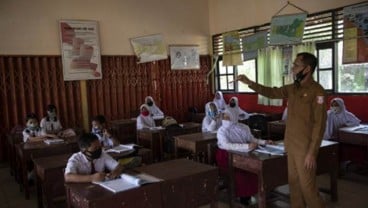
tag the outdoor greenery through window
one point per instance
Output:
(323, 28)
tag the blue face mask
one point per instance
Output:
(212, 114)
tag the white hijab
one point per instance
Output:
(145, 121)
(336, 120)
(236, 110)
(154, 109)
(220, 103)
(209, 123)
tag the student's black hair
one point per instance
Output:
(309, 60)
(99, 118)
(51, 107)
(31, 116)
(86, 139)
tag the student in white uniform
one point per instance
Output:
(238, 113)
(237, 136)
(212, 120)
(34, 133)
(145, 120)
(89, 164)
(153, 108)
(98, 126)
(219, 101)
(51, 123)
(338, 117)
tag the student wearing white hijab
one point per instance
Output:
(238, 113)
(145, 120)
(338, 117)
(212, 120)
(154, 110)
(219, 101)
(237, 136)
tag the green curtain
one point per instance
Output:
(270, 67)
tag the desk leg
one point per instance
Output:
(39, 192)
(261, 192)
(25, 178)
(333, 185)
(231, 180)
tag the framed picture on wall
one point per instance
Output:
(184, 57)
(80, 49)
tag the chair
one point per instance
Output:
(258, 122)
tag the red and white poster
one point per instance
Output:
(80, 50)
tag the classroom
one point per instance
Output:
(181, 80)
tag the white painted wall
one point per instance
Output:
(31, 26)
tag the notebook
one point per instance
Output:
(271, 149)
(54, 141)
(121, 148)
(126, 182)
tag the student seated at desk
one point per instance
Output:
(338, 117)
(33, 132)
(237, 136)
(89, 164)
(219, 101)
(51, 123)
(153, 108)
(145, 120)
(212, 120)
(238, 113)
(104, 135)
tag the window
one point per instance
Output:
(226, 76)
(326, 30)
(326, 64)
(352, 78)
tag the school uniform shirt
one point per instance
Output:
(235, 136)
(79, 164)
(107, 142)
(220, 103)
(154, 109)
(237, 111)
(145, 122)
(284, 115)
(28, 132)
(210, 123)
(51, 124)
(336, 120)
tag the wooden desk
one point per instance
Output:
(186, 184)
(276, 130)
(154, 139)
(353, 139)
(272, 170)
(24, 152)
(84, 195)
(196, 143)
(50, 176)
(126, 130)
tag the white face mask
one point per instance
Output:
(335, 109)
(226, 123)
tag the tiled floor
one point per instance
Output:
(352, 193)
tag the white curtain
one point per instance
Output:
(270, 67)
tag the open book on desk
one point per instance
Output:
(271, 149)
(126, 182)
(122, 148)
(54, 141)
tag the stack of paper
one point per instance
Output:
(121, 148)
(271, 149)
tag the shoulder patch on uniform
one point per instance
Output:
(320, 99)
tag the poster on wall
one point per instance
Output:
(287, 29)
(252, 43)
(355, 45)
(149, 48)
(184, 56)
(80, 50)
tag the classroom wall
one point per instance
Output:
(237, 14)
(31, 27)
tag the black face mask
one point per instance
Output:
(232, 105)
(150, 103)
(95, 154)
(299, 77)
